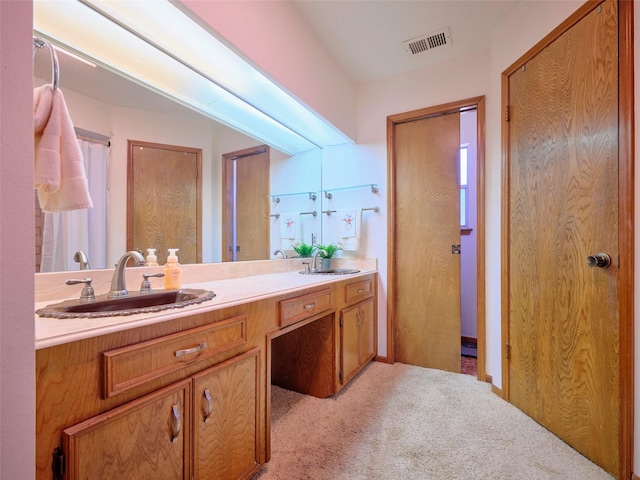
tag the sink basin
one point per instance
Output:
(333, 271)
(132, 304)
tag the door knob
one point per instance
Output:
(600, 260)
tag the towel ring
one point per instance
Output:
(55, 67)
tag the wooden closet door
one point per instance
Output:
(427, 299)
(563, 331)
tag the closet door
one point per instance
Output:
(563, 209)
(427, 229)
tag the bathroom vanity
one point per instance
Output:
(185, 393)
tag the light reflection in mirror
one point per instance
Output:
(119, 109)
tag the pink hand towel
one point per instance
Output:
(59, 167)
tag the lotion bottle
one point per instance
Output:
(172, 271)
(152, 260)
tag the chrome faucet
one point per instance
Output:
(81, 258)
(118, 285)
(284, 255)
(314, 263)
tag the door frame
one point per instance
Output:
(459, 106)
(626, 148)
(228, 218)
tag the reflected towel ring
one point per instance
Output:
(55, 67)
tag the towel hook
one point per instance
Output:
(55, 68)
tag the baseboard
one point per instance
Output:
(634, 477)
(471, 340)
(380, 359)
(494, 389)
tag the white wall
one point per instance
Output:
(293, 179)
(349, 166)
(17, 360)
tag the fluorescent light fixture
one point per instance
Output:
(74, 56)
(160, 46)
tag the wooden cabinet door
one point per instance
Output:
(357, 338)
(366, 332)
(226, 419)
(147, 438)
(349, 343)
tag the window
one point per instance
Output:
(464, 197)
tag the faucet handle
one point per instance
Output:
(145, 287)
(307, 268)
(87, 295)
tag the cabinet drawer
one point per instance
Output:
(129, 367)
(354, 292)
(305, 306)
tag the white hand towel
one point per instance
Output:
(350, 229)
(59, 167)
(289, 228)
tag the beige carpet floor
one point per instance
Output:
(397, 422)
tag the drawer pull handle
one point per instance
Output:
(189, 351)
(176, 423)
(310, 306)
(208, 407)
(360, 291)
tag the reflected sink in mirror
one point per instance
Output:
(333, 271)
(132, 304)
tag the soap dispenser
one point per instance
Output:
(151, 260)
(172, 271)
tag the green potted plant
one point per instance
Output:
(303, 250)
(331, 251)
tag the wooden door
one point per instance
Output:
(226, 419)
(563, 318)
(427, 225)
(148, 438)
(246, 206)
(349, 343)
(366, 332)
(164, 200)
(357, 338)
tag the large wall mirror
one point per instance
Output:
(110, 110)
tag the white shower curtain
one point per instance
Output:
(66, 233)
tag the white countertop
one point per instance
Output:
(229, 292)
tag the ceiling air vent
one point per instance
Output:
(430, 41)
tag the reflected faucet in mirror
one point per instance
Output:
(284, 255)
(81, 258)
